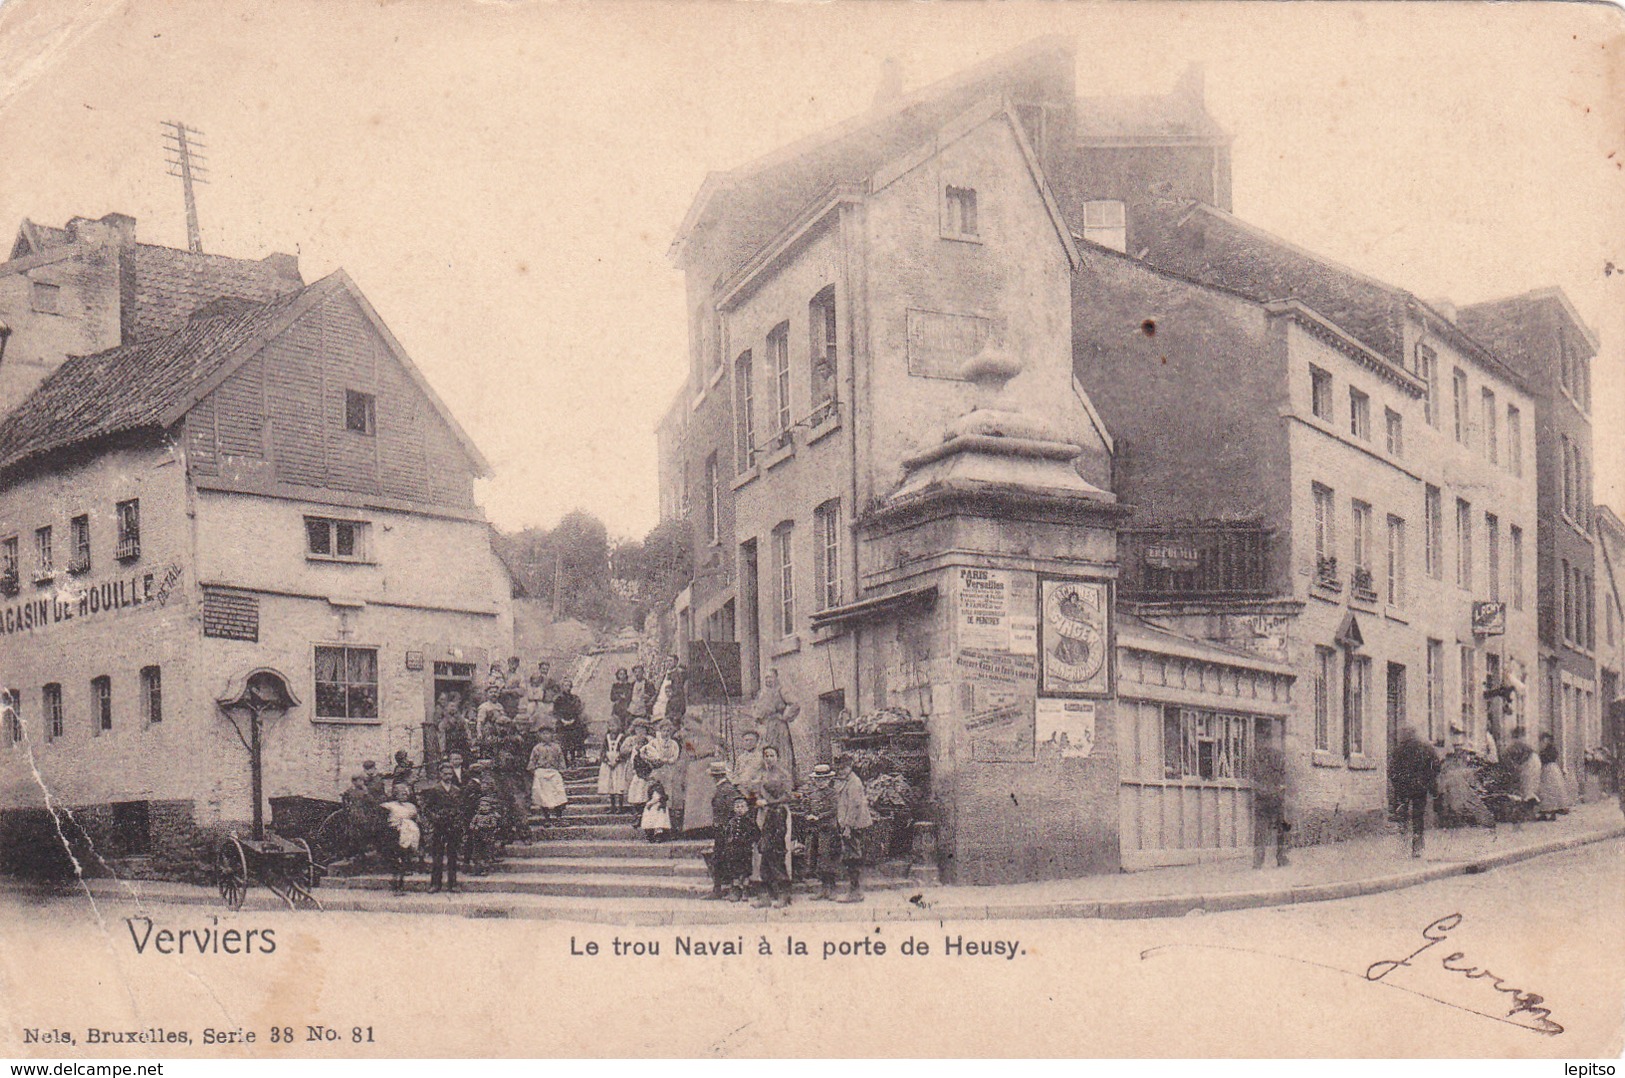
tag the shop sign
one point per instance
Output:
(1179, 557)
(79, 601)
(1489, 619)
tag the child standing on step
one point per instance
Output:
(739, 836)
(656, 817)
(614, 769)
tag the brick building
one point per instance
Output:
(1542, 337)
(258, 502)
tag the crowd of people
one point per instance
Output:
(505, 759)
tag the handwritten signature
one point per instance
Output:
(1438, 932)
(1539, 1018)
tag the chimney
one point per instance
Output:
(113, 230)
(123, 226)
(891, 82)
(284, 265)
(1192, 85)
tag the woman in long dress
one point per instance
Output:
(774, 713)
(699, 751)
(547, 792)
(568, 717)
(771, 792)
(1554, 784)
(614, 770)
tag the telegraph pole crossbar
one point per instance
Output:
(181, 146)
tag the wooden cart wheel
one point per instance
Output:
(232, 867)
(312, 872)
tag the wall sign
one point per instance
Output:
(939, 344)
(76, 600)
(1074, 636)
(414, 660)
(1066, 728)
(1489, 619)
(231, 615)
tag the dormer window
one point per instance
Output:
(959, 213)
(360, 412)
(1105, 222)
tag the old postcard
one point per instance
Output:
(698, 529)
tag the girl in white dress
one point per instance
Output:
(403, 818)
(614, 768)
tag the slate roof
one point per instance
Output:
(131, 387)
(742, 209)
(1209, 245)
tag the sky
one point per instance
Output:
(504, 180)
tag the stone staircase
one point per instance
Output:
(592, 853)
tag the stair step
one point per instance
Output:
(620, 846)
(615, 866)
(583, 885)
(573, 815)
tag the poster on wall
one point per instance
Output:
(1074, 638)
(984, 609)
(1065, 728)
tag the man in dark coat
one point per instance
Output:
(1270, 826)
(442, 806)
(1412, 770)
(722, 799)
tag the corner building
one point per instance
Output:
(267, 504)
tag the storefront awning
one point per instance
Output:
(875, 607)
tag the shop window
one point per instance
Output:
(79, 544)
(129, 530)
(51, 709)
(101, 704)
(152, 695)
(346, 684)
(360, 412)
(335, 540)
(1106, 222)
(1205, 745)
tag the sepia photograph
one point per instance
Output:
(700, 530)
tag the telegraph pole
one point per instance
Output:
(181, 143)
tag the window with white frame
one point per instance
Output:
(1325, 669)
(51, 710)
(1325, 534)
(1435, 688)
(152, 695)
(1427, 369)
(44, 558)
(129, 529)
(1360, 414)
(824, 339)
(1395, 426)
(346, 684)
(1356, 701)
(1458, 384)
(101, 704)
(1364, 583)
(79, 544)
(827, 528)
(1515, 537)
(1105, 221)
(713, 500)
(778, 351)
(1396, 560)
(1492, 550)
(1514, 440)
(1464, 544)
(784, 571)
(328, 539)
(744, 412)
(1320, 393)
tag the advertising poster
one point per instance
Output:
(1074, 638)
(1066, 728)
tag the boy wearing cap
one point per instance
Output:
(738, 845)
(722, 799)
